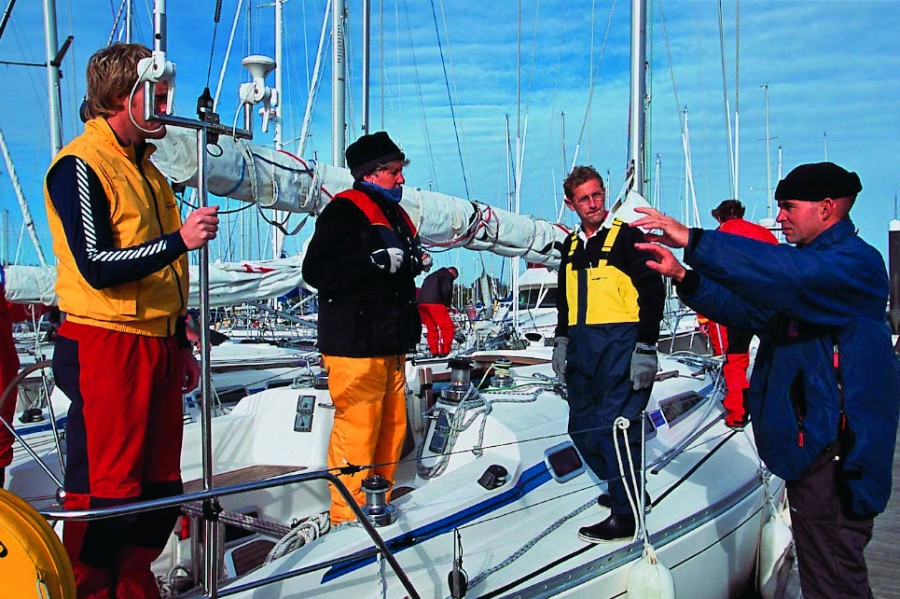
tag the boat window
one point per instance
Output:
(650, 425)
(676, 407)
(564, 462)
(231, 396)
(528, 298)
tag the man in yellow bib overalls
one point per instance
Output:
(610, 305)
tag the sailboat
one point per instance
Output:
(491, 492)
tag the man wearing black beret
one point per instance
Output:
(824, 391)
(363, 259)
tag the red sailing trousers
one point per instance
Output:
(439, 328)
(735, 346)
(124, 438)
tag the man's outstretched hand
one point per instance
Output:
(664, 262)
(674, 234)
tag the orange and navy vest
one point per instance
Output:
(142, 207)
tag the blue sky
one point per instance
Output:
(832, 67)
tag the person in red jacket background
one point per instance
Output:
(734, 343)
(9, 367)
(434, 301)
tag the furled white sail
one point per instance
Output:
(281, 181)
(230, 283)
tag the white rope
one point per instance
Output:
(306, 532)
(382, 583)
(468, 410)
(622, 424)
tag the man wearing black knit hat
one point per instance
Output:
(363, 259)
(824, 391)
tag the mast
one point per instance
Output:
(737, 99)
(656, 181)
(687, 170)
(765, 87)
(277, 233)
(638, 94)
(51, 51)
(338, 108)
(365, 67)
(128, 21)
(23, 204)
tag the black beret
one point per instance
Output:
(728, 209)
(367, 152)
(817, 181)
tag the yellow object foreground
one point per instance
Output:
(33, 562)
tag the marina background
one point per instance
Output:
(831, 68)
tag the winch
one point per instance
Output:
(460, 386)
(502, 378)
(377, 509)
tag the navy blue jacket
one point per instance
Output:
(802, 302)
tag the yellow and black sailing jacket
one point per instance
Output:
(607, 281)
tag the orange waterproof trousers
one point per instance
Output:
(369, 421)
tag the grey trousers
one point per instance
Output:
(830, 541)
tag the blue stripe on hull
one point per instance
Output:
(531, 479)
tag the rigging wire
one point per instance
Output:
(587, 110)
(456, 94)
(212, 46)
(682, 123)
(450, 100)
(728, 136)
(419, 94)
(115, 26)
(316, 84)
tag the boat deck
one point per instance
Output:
(882, 554)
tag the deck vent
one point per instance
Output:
(494, 477)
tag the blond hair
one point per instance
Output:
(111, 75)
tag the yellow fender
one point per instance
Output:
(33, 561)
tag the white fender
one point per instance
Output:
(774, 544)
(649, 579)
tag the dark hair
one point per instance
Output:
(579, 176)
(111, 74)
(728, 210)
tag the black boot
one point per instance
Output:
(614, 528)
(604, 500)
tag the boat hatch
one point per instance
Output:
(676, 407)
(564, 462)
